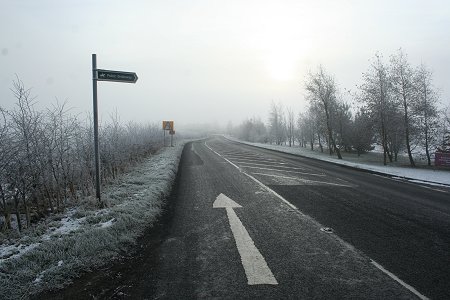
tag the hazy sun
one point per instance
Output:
(280, 38)
(280, 65)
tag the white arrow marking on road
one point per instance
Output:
(254, 264)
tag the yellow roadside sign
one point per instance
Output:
(167, 125)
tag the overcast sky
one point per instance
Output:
(209, 61)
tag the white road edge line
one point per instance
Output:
(274, 193)
(416, 182)
(374, 263)
(223, 157)
(401, 282)
(306, 180)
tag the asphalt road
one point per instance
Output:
(246, 222)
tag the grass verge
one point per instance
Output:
(58, 256)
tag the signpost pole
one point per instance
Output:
(104, 75)
(97, 157)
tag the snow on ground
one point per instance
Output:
(67, 225)
(108, 223)
(39, 278)
(14, 251)
(434, 177)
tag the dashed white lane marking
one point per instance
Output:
(404, 284)
(258, 182)
(378, 266)
(223, 157)
(257, 161)
(255, 266)
(306, 181)
(241, 155)
(296, 172)
(252, 158)
(274, 166)
(274, 193)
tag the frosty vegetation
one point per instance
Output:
(63, 246)
(52, 228)
(395, 106)
(47, 157)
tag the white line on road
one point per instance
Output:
(241, 155)
(306, 181)
(257, 181)
(277, 165)
(258, 160)
(378, 266)
(274, 193)
(255, 266)
(296, 172)
(223, 157)
(252, 158)
(404, 284)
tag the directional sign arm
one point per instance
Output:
(117, 76)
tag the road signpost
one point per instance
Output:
(117, 76)
(172, 133)
(104, 75)
(168, 126)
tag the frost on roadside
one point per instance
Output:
(83, 238)
(432, 177)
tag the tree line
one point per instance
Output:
(47, 157)
(396, 106)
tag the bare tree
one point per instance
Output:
(396, 132)
(277, 124)
(376, 94)
(46, 158)
(304, 128)
(7, 152)
(402, 81)
(322, 90)
(252, 130)
(26, 129)
(290, 126)
(342, 122)
(362, 136)
(425, 108)
(444, 143)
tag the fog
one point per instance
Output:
(209, 61)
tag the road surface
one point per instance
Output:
(246, 222)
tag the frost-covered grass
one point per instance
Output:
(60, 248)
(368, 161)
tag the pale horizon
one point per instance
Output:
(209, 62)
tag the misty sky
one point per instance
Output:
(209, 61)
